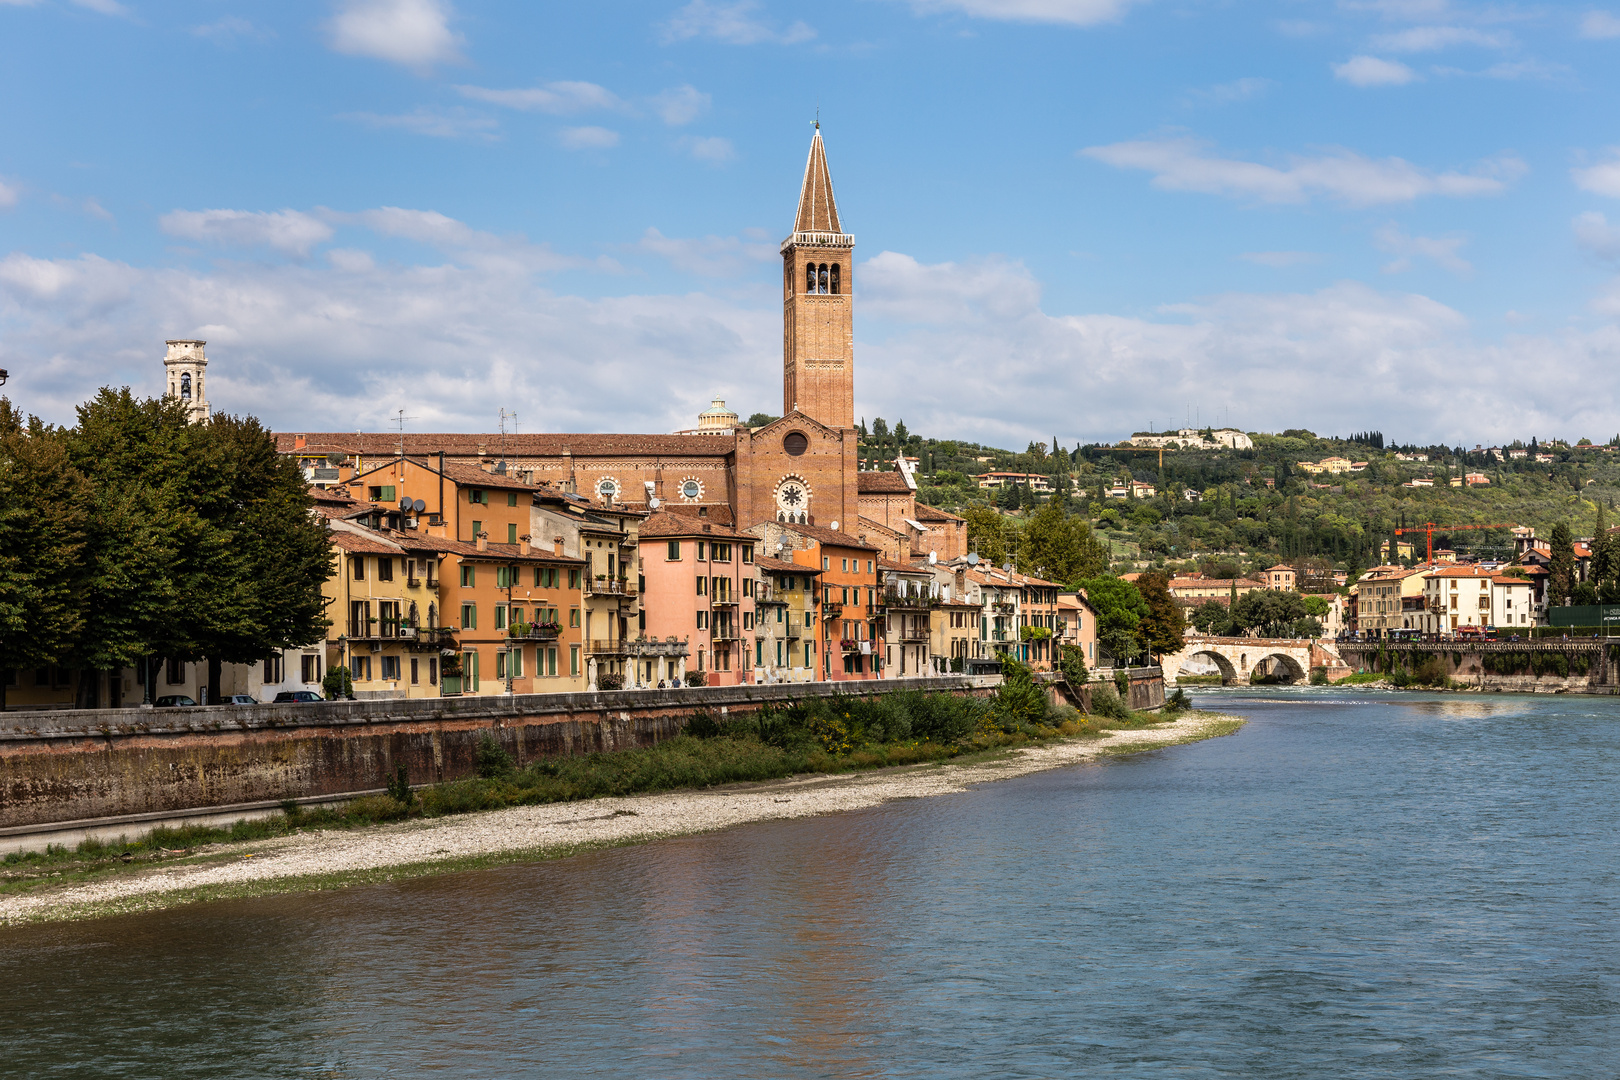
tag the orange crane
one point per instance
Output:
(1428, 527)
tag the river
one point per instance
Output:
(1358, 884)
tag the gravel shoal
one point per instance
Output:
(323, 858)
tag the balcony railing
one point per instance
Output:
(895, 598)
(534, 632)
(725, 633)
(609, 587)
(723, 601)
(607, 647)
(831, 609)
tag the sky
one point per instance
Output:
(1074, 219)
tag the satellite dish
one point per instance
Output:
(780, 544)
(419, 506)
(652, 501)
(1007, 567)
(973, 558)
(835, 525)
(405, 505)
(933, 557)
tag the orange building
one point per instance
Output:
(849, 644)
(700, 586)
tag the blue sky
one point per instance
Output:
(1075, 218)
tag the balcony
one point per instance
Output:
(909, 601)
(725, 633)
(726, 601)
(534, 631)
(831, 609)
(609, 587)
(849, 645)
(608, 647)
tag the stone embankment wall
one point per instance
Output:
(75, 765)
(1471, 664)
(1146, 688)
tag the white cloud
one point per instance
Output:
(966, 348)
(1410, 10)
(714, 149)
(415, 33)
(1434, 38)
(289, 231)
(589, 138)
(711, 256)
(558, 98)
(466, 245)
(731, 23)
(102, 7)
(1229, 93)
(680, 105)
(1440, 249)
(9, 194)
(1184, 164)
(1600, 179)
(1600, 26)
(1279, 260)
(963, 349)
(351, 260)
(1372, 71)
(1594, 233)
(451, 123)
(1065, 12)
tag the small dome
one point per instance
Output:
(717, 417)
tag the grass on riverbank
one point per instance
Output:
(1360, 678)
(817, 736)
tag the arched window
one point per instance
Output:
(835, 282)
(823, 282)
(185, 387)
(809, 277)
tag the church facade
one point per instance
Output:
(801, 469)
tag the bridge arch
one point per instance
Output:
(1278, 665)
(1228, 671)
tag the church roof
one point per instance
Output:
(883, 483)
(457, 444)
(818, 211)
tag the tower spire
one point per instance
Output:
(818, 210)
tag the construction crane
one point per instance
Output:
(1160, 450)
(1428, 527)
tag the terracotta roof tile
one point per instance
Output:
(781, 566)
(818, 210)
(930, 513)
(465, 445)
(882, 483)
(662, 523)
(830, 537)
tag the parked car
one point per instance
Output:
(169, 701)
(297, 696)
(238, 699)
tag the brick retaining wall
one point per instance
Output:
(77, 764)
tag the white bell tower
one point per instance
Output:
(184, 366)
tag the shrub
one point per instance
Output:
(1319, 676)
(1021, 701)
(701, 726)
(399, 787)
(337, 683)
(1177, 702)
(1122, 684)
(1106, 703)
(696, 678)
(491, 759)
(611, 681)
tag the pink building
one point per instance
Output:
(701, 582)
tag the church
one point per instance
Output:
(801, 469)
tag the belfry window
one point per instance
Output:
(185, 387)
(835, 282)
(809, 277)
(823, 279)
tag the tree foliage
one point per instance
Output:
(150, 536)
(1561, 567)
(1059, 546)
(1120, 610)
(1163, 628)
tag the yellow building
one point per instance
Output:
(785, 633)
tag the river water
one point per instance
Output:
(1356, 885)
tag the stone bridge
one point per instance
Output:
(1242, 659)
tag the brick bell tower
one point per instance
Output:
(818, 283)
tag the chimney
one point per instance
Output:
(556, 545)
(523, 545)
(437, 527)
(483, 541)
(300, 441)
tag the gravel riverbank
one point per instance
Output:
(328, 859)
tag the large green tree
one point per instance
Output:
(1561, 568)
(43, 510)
(1060, 547)
(986, 533)
(1163, 628)
(1120, 610)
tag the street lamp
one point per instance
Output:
(4, 375)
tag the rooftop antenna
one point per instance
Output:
(400, 418)
(505, 416)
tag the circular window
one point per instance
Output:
(691, 489)
(795, 443)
